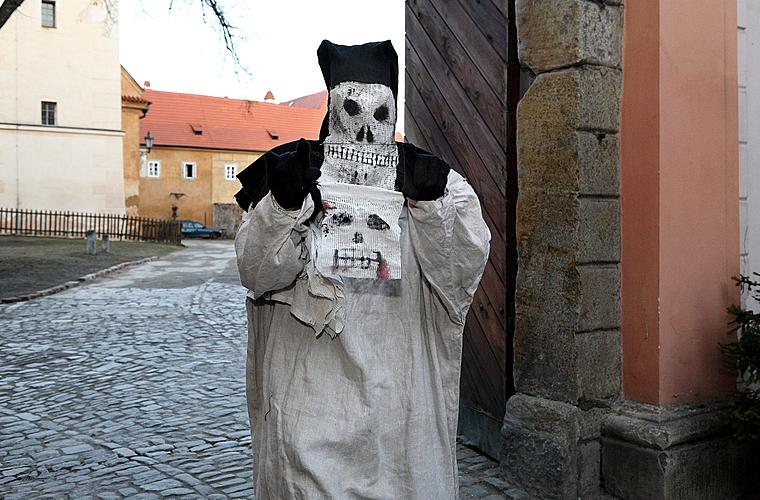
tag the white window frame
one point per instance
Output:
(42, 14)
(157, 173)
(184, 170)
(230, 167)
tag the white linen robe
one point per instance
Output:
(371, 413)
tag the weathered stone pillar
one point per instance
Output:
(567, 340)
(649, 287)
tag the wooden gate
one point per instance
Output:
(462, 86)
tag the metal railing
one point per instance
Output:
(74, 224)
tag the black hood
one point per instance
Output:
(373, 62)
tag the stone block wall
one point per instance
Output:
(567, 336)
(227, 217)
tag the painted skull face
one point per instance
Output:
(362, 113)
(361, 147)
(360, 239)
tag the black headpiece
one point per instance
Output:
(373, 62)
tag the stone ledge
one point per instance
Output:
(676, 453)
(551, 449)
(662, 427)
(540, 447)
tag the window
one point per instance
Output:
(154, 168)
(229, 172)
(48, 14)
(188, 170)
(48, 112)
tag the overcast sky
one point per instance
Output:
(177, 52)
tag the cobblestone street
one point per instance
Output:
(133, 387)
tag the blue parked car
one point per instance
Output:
(193, 229)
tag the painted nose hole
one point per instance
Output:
(358, 237)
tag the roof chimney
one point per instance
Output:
(269, 97)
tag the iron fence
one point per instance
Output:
(74, 224)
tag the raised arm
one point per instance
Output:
(270, 243)
(451, 243)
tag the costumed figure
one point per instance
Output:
(361, 256)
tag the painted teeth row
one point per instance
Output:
(361, 156)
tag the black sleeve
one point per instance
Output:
(253, 178)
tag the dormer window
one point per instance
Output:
(48, 14)
(273, 134)
(197, 128)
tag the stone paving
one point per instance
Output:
(133, 387)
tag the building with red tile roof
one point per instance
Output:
(199, 144)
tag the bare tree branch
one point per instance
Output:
(7, 8)
(226, 29)
(218, 17)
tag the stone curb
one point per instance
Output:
(76, 282)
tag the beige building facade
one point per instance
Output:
(134, 107)
(60, 109)
(194, 195)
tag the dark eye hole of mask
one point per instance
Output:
(375, 222)
(381, 113)
(352, 107)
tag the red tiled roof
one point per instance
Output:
(318, 100)
(175, 119)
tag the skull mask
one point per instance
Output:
(362, 112)
(360, 235)
(361, 148)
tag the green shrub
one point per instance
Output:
(745, 418)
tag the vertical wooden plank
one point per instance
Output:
(459, 105)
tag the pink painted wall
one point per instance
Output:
(639, 199)
(679, 190)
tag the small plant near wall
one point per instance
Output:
(745, 352)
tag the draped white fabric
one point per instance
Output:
(369, 410)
